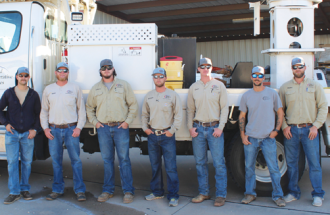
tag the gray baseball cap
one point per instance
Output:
(298, 60)
(106, 62)
(62, 64)
(22, 70)
(258, 69)
(205, 61)
(159, 70)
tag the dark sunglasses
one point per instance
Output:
(298, 67)
(259, 76)
(103, 68)
(62, 70)
(203, 67)
(158, 76)
(25, 76)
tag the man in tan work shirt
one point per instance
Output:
(306, 109)
(207, 115)
(111, 106)
(161, 118)
(62, 117)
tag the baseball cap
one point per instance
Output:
(258, 69)
(298, 60)
(205, 61)
(106, 62)
(62, 64)
(159, 71)
(22, 70)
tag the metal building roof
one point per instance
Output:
(208, 20)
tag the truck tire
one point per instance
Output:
(235, 161)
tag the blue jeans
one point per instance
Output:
(18, 145)
(109, 138)
(268, 147)
(216, 145)
(56, 152)
(159, 146)
(312, 152)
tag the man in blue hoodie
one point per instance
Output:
(22, 122)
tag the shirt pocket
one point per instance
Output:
(119, 93)
(310, 95)
(98, 97)
(290, 96)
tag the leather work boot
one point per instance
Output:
(26, 195)
(280, 202)
(219, 201)
(128, 198)
(104, 197)
(200, 198)
(248, 198)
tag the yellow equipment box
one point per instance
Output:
(174, 85)
(173, 67)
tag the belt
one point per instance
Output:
(63, 126)
(302, 125)
(159, 132)
(207, 124)
(112, 123)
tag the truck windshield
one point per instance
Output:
(10, 30)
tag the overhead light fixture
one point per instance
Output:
(246, 20)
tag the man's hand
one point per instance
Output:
(149, 131)
(273, 134)
(245, 140)
(32, 134)
(98, 125)
(217, 132)
(76, 132)
(312, 133)
(48, 134)
(193, 132)
(168, 134)
(9, 127)
(287, 133)
(123, 125)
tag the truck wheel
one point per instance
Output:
(235, 161)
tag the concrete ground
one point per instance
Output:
(41, 182)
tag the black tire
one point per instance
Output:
(235, 161)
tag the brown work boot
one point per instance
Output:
(219, 201)
(200, 198)
(104, 197)
(280, 202)
(248, 198)
(128, 198)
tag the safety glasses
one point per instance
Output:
(259, 76)
(25, 76)
(298, 67)
(103, 68)
(203, 67)
(62, 70)
(158, 76)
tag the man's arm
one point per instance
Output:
(145, 117)
(91, 108)
(177, 115)
(81, 109)
(279, 120)
(44, 114)
(322, 107)
(241, 124)
(132, 104)
(282, 97)
(224, 107)
(190, 108)
(3, 105)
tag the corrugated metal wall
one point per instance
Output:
(103, 18)
(232, 51)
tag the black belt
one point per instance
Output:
(207, 124)
(160, 132)
(63, 126)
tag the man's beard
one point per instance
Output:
(160, 85)
(299, 75)
(106, 77)
(61, 79)
(257, 85)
